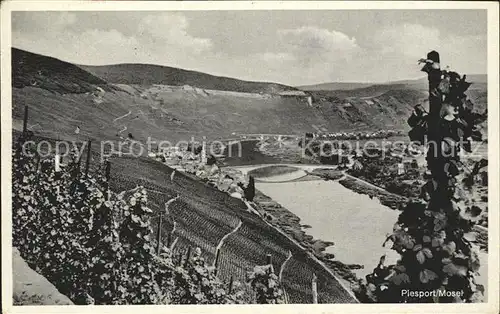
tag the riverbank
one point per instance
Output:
(395, 202)
(388, 199)
(286, 221)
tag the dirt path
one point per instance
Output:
(123, 130)
(227, 235)
(280, 276)
(284, 264)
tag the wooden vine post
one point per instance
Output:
(25, 121)
(230, 289)
(269, 261)
(216, 262)
(442, 154)
(87, 161)
(314, 288)
(158, 234)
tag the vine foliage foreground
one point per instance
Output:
(96, 245)
(437, 261)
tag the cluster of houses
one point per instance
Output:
(227, 180)
(355, 135)
(400, 163)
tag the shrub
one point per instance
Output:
(266, 285)
(196, 283)
(95, 245)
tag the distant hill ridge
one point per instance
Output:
(148, 74)
(419, 83)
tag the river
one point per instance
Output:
(356, 224)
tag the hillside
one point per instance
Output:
(147, 74)
(110, 105)
(30, 69)
(387, 105)
(203, 215)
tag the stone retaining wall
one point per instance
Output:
(31, 288)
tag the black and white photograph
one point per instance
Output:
(182, 154)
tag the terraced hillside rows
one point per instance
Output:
(203, 215)
(248, 247)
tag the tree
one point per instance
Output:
(436, 256)
(249, 191)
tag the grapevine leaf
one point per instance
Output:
(450, 248)
(420, 257)
(427, 252)
(437, 242)
(455, 270)
(427, 275)
(399, 279)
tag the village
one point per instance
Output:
(196, 162)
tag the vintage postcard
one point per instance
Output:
(252, 157)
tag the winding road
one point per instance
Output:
(121, 117)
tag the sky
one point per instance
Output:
(290, 47)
